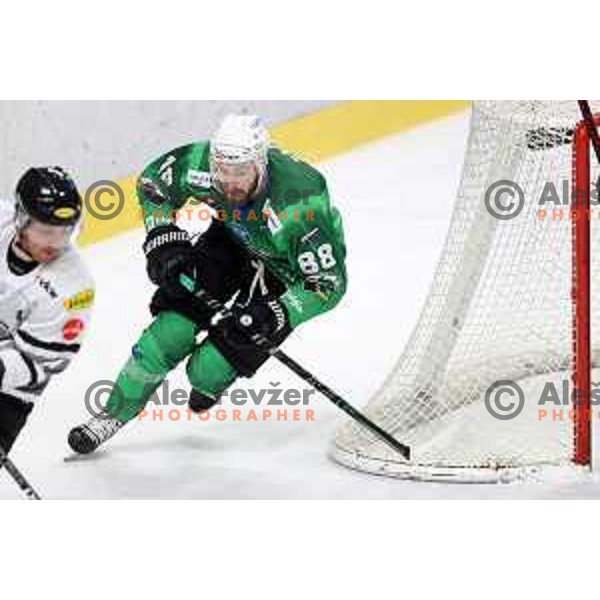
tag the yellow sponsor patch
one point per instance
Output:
(80, 300)
(66, 212)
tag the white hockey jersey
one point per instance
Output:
(44, 315)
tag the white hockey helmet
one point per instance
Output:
(240, 139)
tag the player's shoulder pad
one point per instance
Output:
(181, 165)
(71, 281)
(290, 176)
(195, 152)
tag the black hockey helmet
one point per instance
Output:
(49, 195)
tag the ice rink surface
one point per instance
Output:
(395, 196)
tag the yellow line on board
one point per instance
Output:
(96, 230)
(314, 137)
(343, 126)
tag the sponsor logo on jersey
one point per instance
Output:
(72, 329)
(80, 301)
(201, 179)
(151, 191)
(64, 212)
(47, 287)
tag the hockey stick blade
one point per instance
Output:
(74, 457)
(355, 414)
(301, 372)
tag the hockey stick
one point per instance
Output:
(590, 124)
(545, 138)
(17, 476)
(291, 364)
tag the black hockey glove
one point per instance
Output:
(237, 335)
(169, 253)
(266, 317)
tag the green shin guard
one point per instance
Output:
(163, 345)
(209, 372)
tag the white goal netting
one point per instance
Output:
(499, 309)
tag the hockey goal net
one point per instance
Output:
(506, 325)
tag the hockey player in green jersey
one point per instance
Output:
(275, 247)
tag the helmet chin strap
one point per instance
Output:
(261, 180)
(19, 250)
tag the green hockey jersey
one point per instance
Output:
(291, 226)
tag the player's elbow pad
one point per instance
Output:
(20, 373)
(148, 189)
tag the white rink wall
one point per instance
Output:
(111, 139)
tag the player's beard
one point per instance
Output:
(237, 197)
(240, 197)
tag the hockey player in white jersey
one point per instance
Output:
(46, 292)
